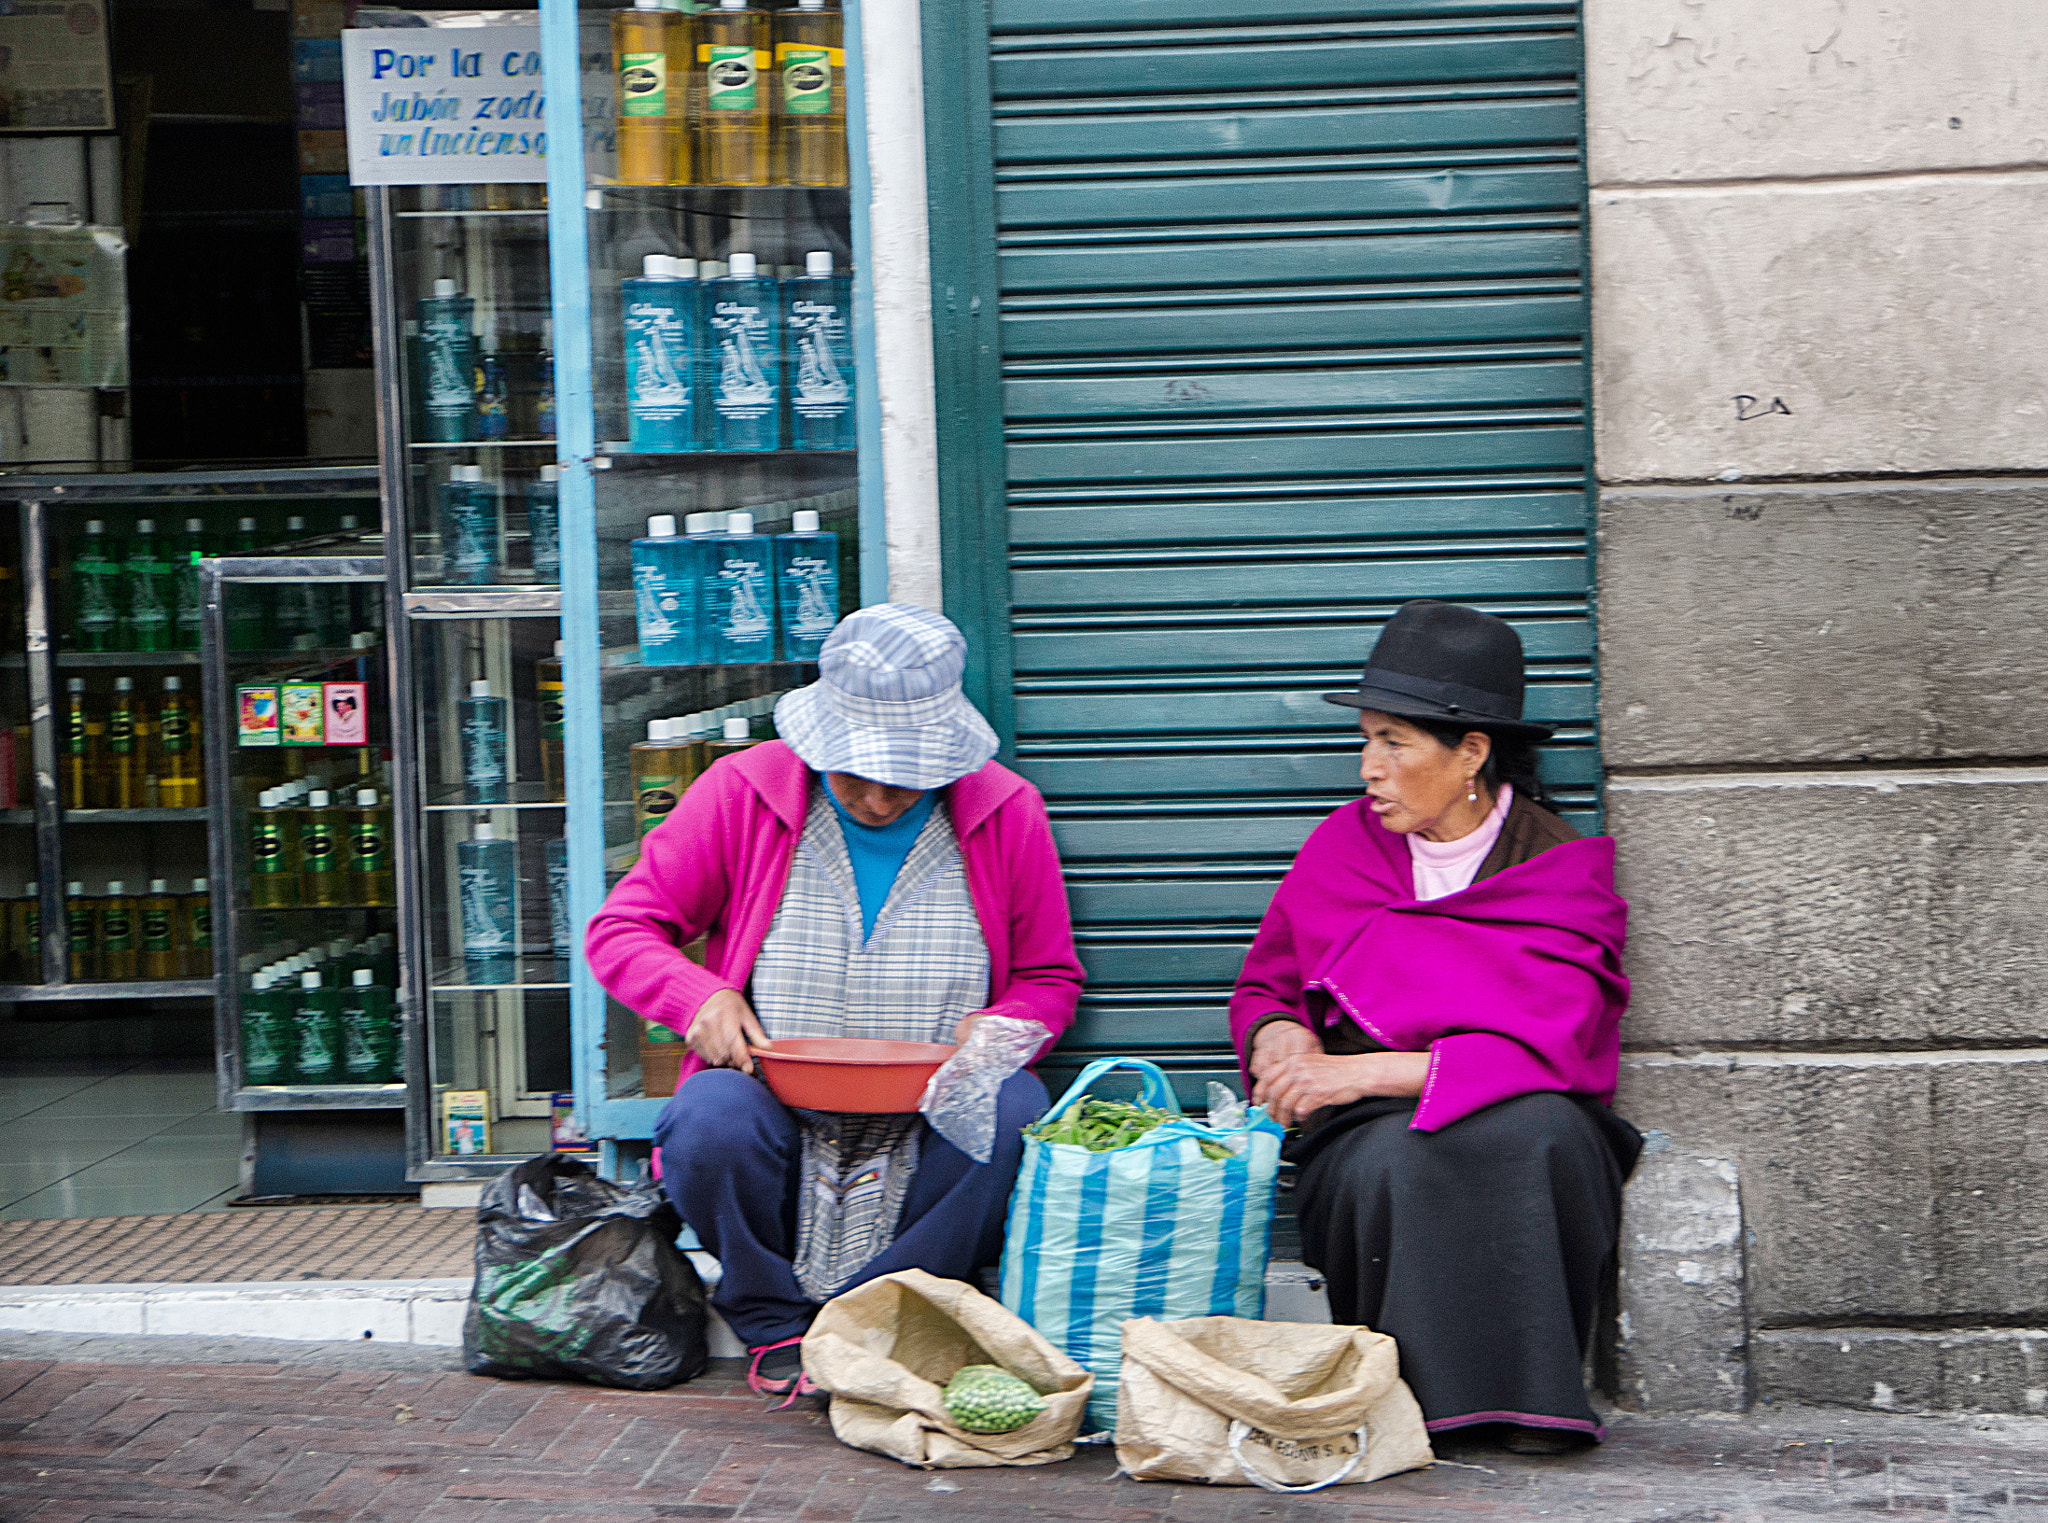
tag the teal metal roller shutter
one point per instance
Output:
(1288, 328)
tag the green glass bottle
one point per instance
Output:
(188, 611)
(95, 575)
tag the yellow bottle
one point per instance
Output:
(368, 850)
(179, 777)
(651, 50)
(124, 749)
(658, 763)
(82, 925)
(197, 914)
(547, 682)
(273, 854)
(733, 61)
(321, 879)
(810, 95)
(118, 960)
(160, 954)
(81, 757)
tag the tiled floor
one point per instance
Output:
(120, 1137)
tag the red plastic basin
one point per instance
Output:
(850, 1073)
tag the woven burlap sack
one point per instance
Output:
(886, 1349)
(1290, 1406)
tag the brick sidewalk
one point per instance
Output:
(302, 1243)
(332, 1436)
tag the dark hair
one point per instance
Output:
(1510, 761)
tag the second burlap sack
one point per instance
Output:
(886, 1349)
(1290, 1406)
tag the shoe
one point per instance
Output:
(1540, 1441)
(777, 1369)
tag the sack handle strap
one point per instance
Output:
(1158, 1089)
(1241, 1430)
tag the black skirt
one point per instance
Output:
(1480, 1249)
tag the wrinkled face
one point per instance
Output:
(1414, 779)
(869, 802)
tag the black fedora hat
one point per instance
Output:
(1448, 663)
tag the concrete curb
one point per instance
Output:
(428, 1312)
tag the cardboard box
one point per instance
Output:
(256, 716)
(347, 714)
(466, 1122)
(302, 710)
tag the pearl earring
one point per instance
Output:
(1472, 791)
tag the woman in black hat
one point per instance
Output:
(1434, 999)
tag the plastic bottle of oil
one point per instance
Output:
(197, 912)
(321, 879)
(810, 96)
(124, 748)
(81, 754)
(273, 855)
(370, 877)
(160, 957)
(178, 775)
(547, 682)
(733, 57)
(118, 959)
(651, 49)
(78, 921)
(658, 781)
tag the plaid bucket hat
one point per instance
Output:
(887, 705)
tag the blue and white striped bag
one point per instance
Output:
(1155, 1229)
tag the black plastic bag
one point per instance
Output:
(578, 1278)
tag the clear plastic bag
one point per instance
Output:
(960, 1099)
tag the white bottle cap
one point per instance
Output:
(366, 798)
(804, 521)
(657, 267)
(145, 526)
(657, 730)
(95, 526)
(810, 5)
(662, 526)
(320, 798)
(116, 888)
(74, 889)
(736, 727)
(742, 266)
(685, 268)
(267, 799)
(711, 269)
(482, 831)
(311, 980)
(818, 262)
(295, 524)
(198, 885)
(348, 521)
(469, 473)
(195, 526)
(551, 473)
(261, 982)
(444, 288)
(124, 684)
(732, 5)
(481, 688)
(560, 646)
(74, 685)
(174, 684)
(646, 5)
(739, 523)
(159, 885)
(700, 523)
(363, 978)
(242, 525)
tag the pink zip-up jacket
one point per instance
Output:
(717, 866)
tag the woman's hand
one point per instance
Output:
(725, 1031)
(1298, 1085)
(966, 1027)
(1277, 1040)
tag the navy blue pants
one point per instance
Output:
(730, 1159)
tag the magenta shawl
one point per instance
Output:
(1513, 986)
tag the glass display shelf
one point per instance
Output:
(114, 816)
(148, 988)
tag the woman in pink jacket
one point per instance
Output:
(872, 874)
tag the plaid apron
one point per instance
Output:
(922, 969)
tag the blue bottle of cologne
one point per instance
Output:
(493, 391)
(806, 586)
(447, 379)
(743, 319)
(739, 610)
(488, 871)
(482, 722)
(657, 307)
(666, 595)
(472, 529)
(816, 315)
(544, 525)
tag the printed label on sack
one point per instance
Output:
(806, 78)
(731, 79)
(643, 84)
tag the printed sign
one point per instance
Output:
(63, 306)
(466, 1121)
(256, 716)
(304, 714)
(348, 716)
(53, 67)
(444, 105)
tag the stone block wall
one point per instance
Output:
(1821, 419)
